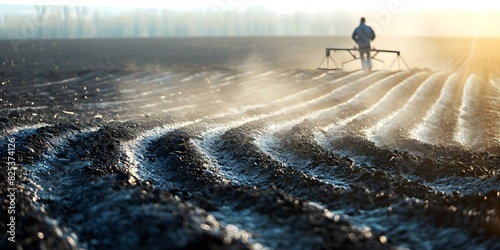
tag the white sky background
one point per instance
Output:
(280, 6)
(392, 17)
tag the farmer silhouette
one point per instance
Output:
(362, 35)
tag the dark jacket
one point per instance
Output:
(362, 35)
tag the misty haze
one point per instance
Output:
(142, 128)
(55, 21)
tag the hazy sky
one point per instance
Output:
(310, 5)
(389, 17)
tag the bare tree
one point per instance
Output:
(66, 20)
(41, 11)
(81, 16)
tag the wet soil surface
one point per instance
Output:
(230, 158)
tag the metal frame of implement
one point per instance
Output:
(328, 57)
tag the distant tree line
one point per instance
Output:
(82, 22)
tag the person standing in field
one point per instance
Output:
(362, 35)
